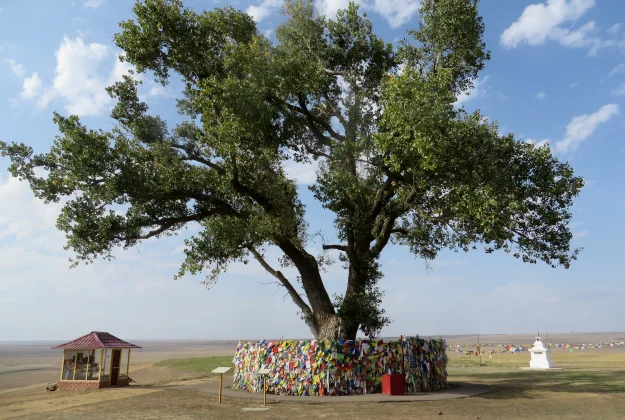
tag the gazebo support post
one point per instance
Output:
(100, 370)
(128, 366)
(75, 363)
(62, 364)
(88, 360)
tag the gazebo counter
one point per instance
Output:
(79, 385)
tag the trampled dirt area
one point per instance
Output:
(591, 386)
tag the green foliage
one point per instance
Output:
(397, 161)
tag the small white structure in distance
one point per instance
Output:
(541, 355)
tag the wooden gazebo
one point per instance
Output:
(95, 360)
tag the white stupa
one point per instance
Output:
(541, 355)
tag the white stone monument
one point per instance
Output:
(541, 355)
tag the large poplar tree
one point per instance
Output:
(397, 161)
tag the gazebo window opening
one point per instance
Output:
(123, 365)
(106, 365)
(93, 366)
(69, 360)
(80, 373)
(80, 365)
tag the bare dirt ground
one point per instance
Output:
(591, 386)
(25, 364)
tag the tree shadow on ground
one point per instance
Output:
(520, 384)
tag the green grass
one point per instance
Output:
(202, 365)
(522, 382)
(586, 359)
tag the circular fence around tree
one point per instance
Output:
(329, 367)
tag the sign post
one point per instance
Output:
(221, 371)
(264, 372)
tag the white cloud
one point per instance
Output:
(264, 9)
(396, 12)
(302, 173)
(330, 7)
(554, 299)
(16, 67)
(28, 217)
(541, 22)
(538, 143)
(157, 90)
(6, 45)
(615, 29)
(479, 89)
(80, 77)
(583, 126)
(617, 70)
(31, 87)
(573, 85)
(93, 4)
(541, 95)
(619, 90)
(581, 234)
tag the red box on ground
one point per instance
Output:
(393, 384)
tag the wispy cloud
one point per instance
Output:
(617, 70)
(16, 67)
(581, 234)
(583, 126)
(615, 29)
(302, 173)
(479, 89)
(548, 21)
(265, 9)
(396, 12)
(619, 90)
(541, 95)
(573, 85)
(538, 143)
(93, 4)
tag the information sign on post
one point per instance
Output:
(221, 371)
(264, 372)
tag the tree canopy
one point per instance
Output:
(397, 160)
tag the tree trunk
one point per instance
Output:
(329, 327)
(324, 323)
(355, 286)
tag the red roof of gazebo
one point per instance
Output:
(97, 340)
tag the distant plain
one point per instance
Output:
(166, 372)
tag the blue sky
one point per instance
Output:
(557, 74)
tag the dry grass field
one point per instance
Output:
(591, 386)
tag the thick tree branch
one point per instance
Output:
(382, 197)
(384, 236)
(339, 247)
(303, 108)
(289, 287)
(222, 207)
(194, 157)
(165, 224)
(400, 231)
(336, 72)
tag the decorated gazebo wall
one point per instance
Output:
(95, 360)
